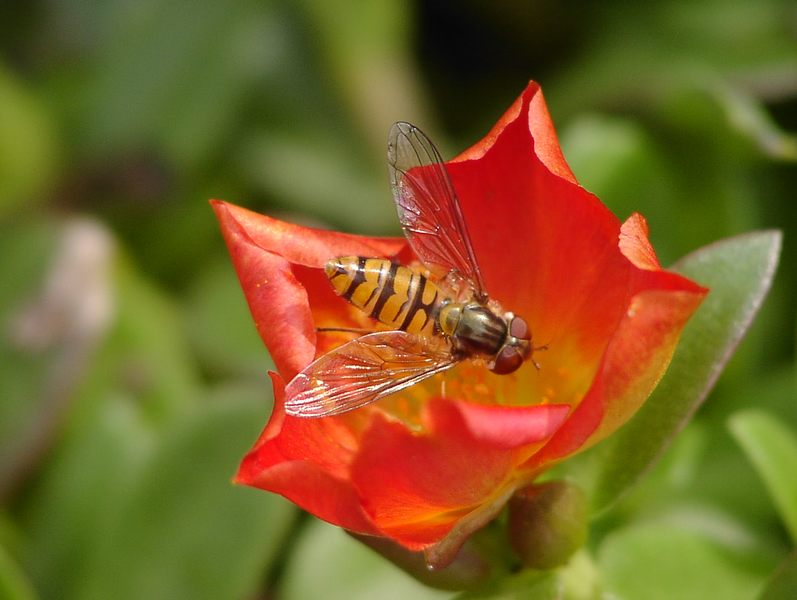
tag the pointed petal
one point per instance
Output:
(510, 427)
(306, 460)
(635, 360)
(280, 267)
(551, 252)
(547, 248)
(634, 243)
(416, 487)
(532, 107)
(301, 245)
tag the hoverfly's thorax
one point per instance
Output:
(479, 330)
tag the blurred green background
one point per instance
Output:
(131, 378)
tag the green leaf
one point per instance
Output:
(617, 160)
(772, 448)
(146, 352)
(185, 531)
(631, 59)
(326, 563)
(688, 560)
(367, 55)
(782, 585)
(28, 150)
(14, 585)
(340, 190)
(26, 248)
(749, 117)
(738, 272)
(187, 66)
(101, 458)
(528, 585)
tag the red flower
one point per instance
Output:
(426, 470)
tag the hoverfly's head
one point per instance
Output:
(517, 346)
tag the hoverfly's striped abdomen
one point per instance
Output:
(391, 293)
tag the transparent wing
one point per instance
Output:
(362, 371)
(428, 206)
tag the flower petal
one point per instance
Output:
(551, 252)
(277, 301)
(510, 427)
(301, 245)
(272, 259)
(306, 460)
(530, 105)
(635, 360)
(634, 243)
(415, 487)
(547, 248)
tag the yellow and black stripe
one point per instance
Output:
(391, 293)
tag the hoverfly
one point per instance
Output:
(436, 322)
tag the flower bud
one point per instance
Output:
(547, 523)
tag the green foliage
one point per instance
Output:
(783, 582)
(23, 256)
(188, 530)
(14, 584)
(120, 430)
(326, 563)
(772, 449)
(530, 585)
(28, 146)
(681, 560)
(738, 273)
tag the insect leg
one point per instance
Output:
(343, 330)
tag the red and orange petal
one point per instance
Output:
(416, 487)
(307, 461)
(280, 267)
(387, 480)
(552, 253)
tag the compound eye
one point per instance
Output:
(519, 328)
(507, 361)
